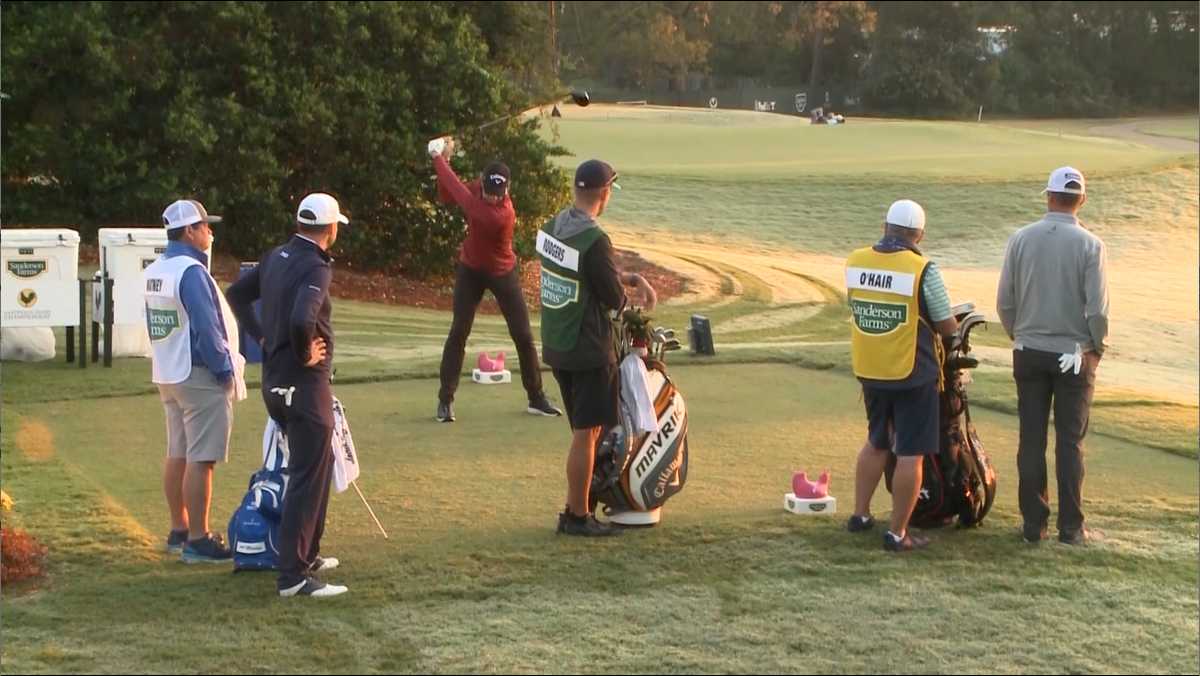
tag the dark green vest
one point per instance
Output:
(565, 291)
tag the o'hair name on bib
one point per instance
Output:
(886, 281)
(554, 249)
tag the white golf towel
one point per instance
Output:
(635, 392)
(274, 445)
(345, 457)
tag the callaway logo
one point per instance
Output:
(817, 507)
(26, 269)
(27, 298)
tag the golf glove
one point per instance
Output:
(436, 146)
(1068, 362)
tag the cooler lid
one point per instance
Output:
(38, 237)
(132, 237)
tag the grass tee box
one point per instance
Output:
(484, 585)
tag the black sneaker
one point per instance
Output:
(1033, 536)
(542, 406)
(445, 412)
(208, 549)
(909, 542)
(176, 539)
(860, 524)
(313, 587)
(587, 526)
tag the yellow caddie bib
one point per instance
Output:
(883, 291)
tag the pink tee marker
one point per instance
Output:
(490, 365)
(809, 490)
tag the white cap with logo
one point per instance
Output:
(906, 214)
(1061, 180)
(183, 213)
(320, 209)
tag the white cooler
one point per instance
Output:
(124, 254)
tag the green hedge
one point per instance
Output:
(115, 109)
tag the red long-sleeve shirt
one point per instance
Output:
(488, 246)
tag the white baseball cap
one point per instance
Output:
(182, 213)
(1061, 180)
(320, 209)
(906, 214)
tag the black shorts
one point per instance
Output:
(914, 415)
(590, 397)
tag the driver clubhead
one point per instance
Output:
(581, 98)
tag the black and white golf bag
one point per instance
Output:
(958, 481)
(638, 471)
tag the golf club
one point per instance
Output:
(368, 506)
(579, 98)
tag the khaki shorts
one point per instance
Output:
(199, 417)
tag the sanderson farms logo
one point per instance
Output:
(27, 298)
(161, 323)
(558, 291)
(878, 318)
(27, 269)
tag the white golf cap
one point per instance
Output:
(182, 213)
(320, 209)
(906, 214)
(1061, 180)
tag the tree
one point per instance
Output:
(925, 58)
(118, 108)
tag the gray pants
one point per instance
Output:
(1040, 386)
(199, 417)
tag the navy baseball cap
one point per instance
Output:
(496, 179)
(595, 174)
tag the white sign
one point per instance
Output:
(885, 281)
(712, 103)
(801, 101)
(41, 278)
(557, 251)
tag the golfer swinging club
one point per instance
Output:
(485, 262)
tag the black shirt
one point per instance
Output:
(293, 283)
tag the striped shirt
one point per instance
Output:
(937, 300)
(933, 289)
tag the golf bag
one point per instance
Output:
(958, 481)
(638, 471)
(254, 526)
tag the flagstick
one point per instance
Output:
(368, 506)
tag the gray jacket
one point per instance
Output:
(1054, 287)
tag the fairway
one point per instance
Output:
(762, 192)
(758, 212)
